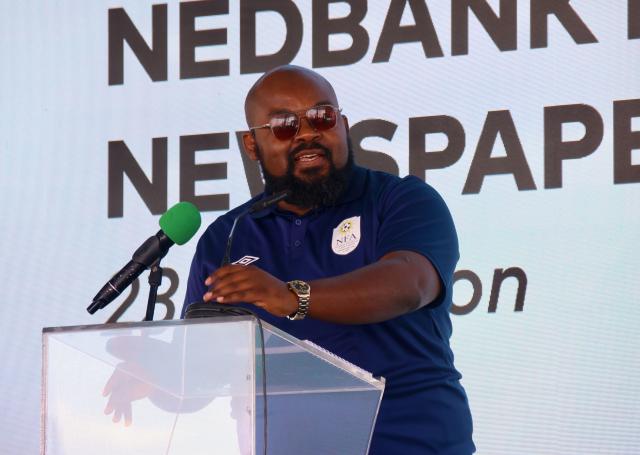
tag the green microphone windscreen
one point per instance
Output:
(181, 222)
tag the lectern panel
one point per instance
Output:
(197, 387)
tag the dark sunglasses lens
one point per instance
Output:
(284, 126)
(322, 117)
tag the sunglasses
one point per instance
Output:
(286, 125)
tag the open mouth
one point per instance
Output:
(308, 156)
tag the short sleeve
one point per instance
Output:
(414, 217)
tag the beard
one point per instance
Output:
(316, 190)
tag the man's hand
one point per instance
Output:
(124, 387)
(239, 283)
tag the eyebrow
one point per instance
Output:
(282, 110)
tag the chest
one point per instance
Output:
(327, 243)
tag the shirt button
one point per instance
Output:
(297, 243)
(298, 222)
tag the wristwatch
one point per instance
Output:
(302, 290)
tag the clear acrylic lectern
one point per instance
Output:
(197, 387)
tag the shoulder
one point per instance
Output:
(380, 181)
(391, 190)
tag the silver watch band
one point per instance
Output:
(302, 291)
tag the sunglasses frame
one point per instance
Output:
(299, 115)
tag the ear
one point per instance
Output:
(249, 142)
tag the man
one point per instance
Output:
(377, 252)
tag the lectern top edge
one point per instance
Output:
(145, 324)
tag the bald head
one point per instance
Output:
(284, 81)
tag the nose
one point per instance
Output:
(306, 132)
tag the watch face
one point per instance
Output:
(300, 287)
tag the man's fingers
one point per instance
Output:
(241, 290)
(245, 290)
(230, 283)
(237, 283)
(236, 297)
(223, 272)
(127, 415)
(218, 284)
(108, 387)
(108, 409)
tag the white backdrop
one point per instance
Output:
(560, 376)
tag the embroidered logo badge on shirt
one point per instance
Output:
(246, 260)
(346, 236)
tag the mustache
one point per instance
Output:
(309, 145)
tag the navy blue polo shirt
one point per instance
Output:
(424, 408)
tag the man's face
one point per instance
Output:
(311, 163)
(314, 191)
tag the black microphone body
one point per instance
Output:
(256, 207)
(153, 249)
(267, 202)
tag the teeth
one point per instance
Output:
(307, 157)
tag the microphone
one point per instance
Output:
(267, 202)
(177, 226)
(256, 207)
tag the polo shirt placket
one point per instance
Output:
(298, 230)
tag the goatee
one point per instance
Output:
(317, 191)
